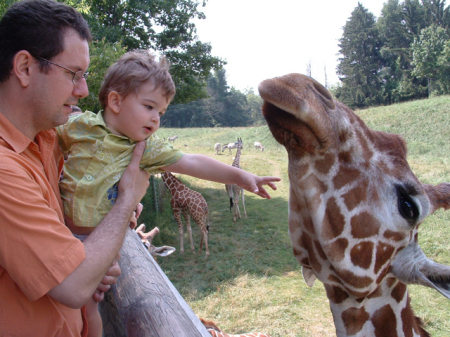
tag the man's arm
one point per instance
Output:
(103, 244)
(207, 168)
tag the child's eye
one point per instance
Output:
(149, 107)
(161, 113)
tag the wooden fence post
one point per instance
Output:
(147, 302)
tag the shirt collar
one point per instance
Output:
(15, 138)
(98, 120)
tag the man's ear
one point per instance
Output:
(22, 67)
(114, 101)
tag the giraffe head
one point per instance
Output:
(354, 205)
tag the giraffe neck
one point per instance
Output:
(237, 157)
(172, 183)
(386, 312)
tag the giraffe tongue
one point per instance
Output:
(411, 266)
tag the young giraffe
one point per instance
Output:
(214, 330)
(354, 209)
(188, 203)
(234, 190)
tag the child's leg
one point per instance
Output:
(95, 325)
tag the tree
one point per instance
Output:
(427, 50)
(103, 54)
(4, 5)
(163, 26)
(361, 60)
(436, 13)
(398, 25)
(225, 106)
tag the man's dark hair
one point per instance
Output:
(37, 26)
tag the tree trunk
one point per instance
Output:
(147, 302)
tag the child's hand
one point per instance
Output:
(255, 185)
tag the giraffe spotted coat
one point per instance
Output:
(188, 203)
(354, 209)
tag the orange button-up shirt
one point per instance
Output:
(37, 251)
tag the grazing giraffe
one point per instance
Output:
(230, 146)
(214, 330)
(188, 203)
(233, 191)
(217, 147)
(258, 146)
(354, 209)
(172, 139)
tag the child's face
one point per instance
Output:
(139, 114)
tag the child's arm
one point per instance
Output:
(206, 168)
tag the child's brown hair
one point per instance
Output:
(132, 70)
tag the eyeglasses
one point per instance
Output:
(77, 75)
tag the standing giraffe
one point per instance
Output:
(214, 330)
(188, 203)
(234, 190)
(354, 209)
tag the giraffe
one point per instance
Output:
(217, 147)
(188, 203)
(354, 209)
(214, 330)
(234, 190)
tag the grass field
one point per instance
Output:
(251, 281)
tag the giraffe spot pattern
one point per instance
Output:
(334, 221)
(325, 164)
(364, 225)
(345, 176)
(355, 196)
(399, 291)
(354, 319)
(385, 322)
(361, 254)
(336, 294)
(384, 254)
(336, 250)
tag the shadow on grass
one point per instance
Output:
(258, 245)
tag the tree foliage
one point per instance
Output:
(408, 50)
(103, 54)
(163, 26)
(361, 60)
(225, 106)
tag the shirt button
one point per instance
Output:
(88, 177)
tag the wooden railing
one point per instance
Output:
(144, 302)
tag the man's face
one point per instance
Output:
(52, 94)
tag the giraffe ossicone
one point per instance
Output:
(354, 209)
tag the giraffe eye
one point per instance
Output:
(406, 206)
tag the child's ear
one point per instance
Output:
(114, 101)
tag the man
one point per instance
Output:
(47, 275)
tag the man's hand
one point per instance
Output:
(109, 279)
(134, 181)
(135, 216)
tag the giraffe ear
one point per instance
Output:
(439, 196)
(411, 266)
(309, 276)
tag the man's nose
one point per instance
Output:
(80, 89)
